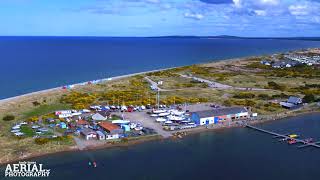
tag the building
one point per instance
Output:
(216, 115)
(112, 136)
(63, 125)
(88, 133)
(292, 103)
(101, 116)
(100, 135)
(82, 123)
(111, 128)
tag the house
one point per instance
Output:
(82, 123)
(277, 64)
(100, 135)
(125, 127)
(101, 116)
(63, 125)
(88, 133)
(292, 103)
(111, 128)
(265, 62)
(222, 114)
(57, 113)
(294, 100)
(66, 115)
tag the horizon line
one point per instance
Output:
(164, 36)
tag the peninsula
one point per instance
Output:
(167, 103)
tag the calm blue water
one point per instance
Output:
(36, 63)
(228, 154)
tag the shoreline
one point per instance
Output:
(85, 83)
(155, 137)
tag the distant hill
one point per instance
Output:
(238, 37)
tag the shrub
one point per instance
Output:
(41, 141)
(264, 96)
(124, 140)
(8, 118)
(35, 103)
(309, 98)
(275, 86)
(244, 95)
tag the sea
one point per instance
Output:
(226, 154)
(31, 64)
(35, 63)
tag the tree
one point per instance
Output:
(309, 98)
(8, 118)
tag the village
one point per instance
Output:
(113, 123)
(287, 60)
(168, 103)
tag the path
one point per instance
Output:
(154, 85)
(216, 85)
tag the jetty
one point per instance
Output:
(286, 137)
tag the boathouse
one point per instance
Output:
(214, 116)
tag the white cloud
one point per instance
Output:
(260, 12)
(269, 2)
(298, 10)
(196, 16)
(237, 3)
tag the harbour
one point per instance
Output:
(287, 137)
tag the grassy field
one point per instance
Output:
(45, 109)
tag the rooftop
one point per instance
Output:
(221, 111)
(87, 131)
(108, 126)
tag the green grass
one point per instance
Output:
(45, 109)
(28, 131)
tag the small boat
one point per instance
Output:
(293, 136)
(35, 127)
(19, 134)
(161, 119)
(16, 127)
(159, 111)
(163, 114)
(306, 141)
(133, 125)
(292, 141)
(138, 128)
(154, 115)
(176, 118)
(168, 122)
(94, 164)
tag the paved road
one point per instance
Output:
(216, 85)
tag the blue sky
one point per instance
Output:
(277, 18)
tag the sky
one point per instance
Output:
(247, 18)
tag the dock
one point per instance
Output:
(286, 136)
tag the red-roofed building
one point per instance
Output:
(111, 128)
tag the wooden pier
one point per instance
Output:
(286, 136)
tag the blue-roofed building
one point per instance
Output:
(63, 125)
(292, 103)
